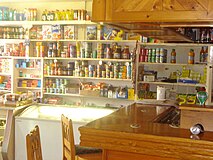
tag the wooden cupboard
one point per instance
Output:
(152, 11)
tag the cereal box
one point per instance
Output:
(56, 32)
(36, 32)
(69, 32)
(47, 32)
(91, 32)
(110, 33)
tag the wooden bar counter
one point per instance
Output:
(130, 134)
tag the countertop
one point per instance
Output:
(115, 131)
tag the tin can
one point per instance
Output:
(91, 73)
(94, 73)
(49, 53)
(54, 53)
(42, 51)
(103, 74)
(50, 45)
(111, 74)
(37, 50)
(94, 54)
(54, 45)
(83, 53)
(72, 51)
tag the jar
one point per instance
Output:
(108, 53)
(125, 54)
(63, 55)
(59, 71)
(117, 53)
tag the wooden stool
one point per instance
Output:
(72, 151)
(33, 144)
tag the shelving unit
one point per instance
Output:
(174, 84)
(163, 68)
(166, 69)
(80, 26)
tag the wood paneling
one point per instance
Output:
(99, 10)
(191, 117)
(185, 5)
(156, 10)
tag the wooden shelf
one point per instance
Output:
(28, 78)
(5, 90)
(12, 40)
(28, 68)
(31, 23)
(175, 44)
(5, 74)
(18, 57)
(28, 88)
(175, 84)
(172, 64)
(60, 94)
(90, 59)
(85, 96)
(75, 40)
(94, 78)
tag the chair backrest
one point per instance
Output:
(33, 144)
(67, 139)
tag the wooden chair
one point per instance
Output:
(33, 144)
(72, 151)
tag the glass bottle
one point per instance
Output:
(125, 54)
(173, 56)
(117, 53)
(202, 54)
(191, 56)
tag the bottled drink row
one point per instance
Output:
(200, 35)
(68, 14)
(10, 14)
(159, 55)
(31, 14)
(12, 33)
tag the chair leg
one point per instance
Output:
(104, 154)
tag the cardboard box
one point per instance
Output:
(69, 32)
(91, 32)
(46, 32)
(56, 32)
(110, 33)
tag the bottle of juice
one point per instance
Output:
(202, 55)
(173, 56)
(191, 56)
